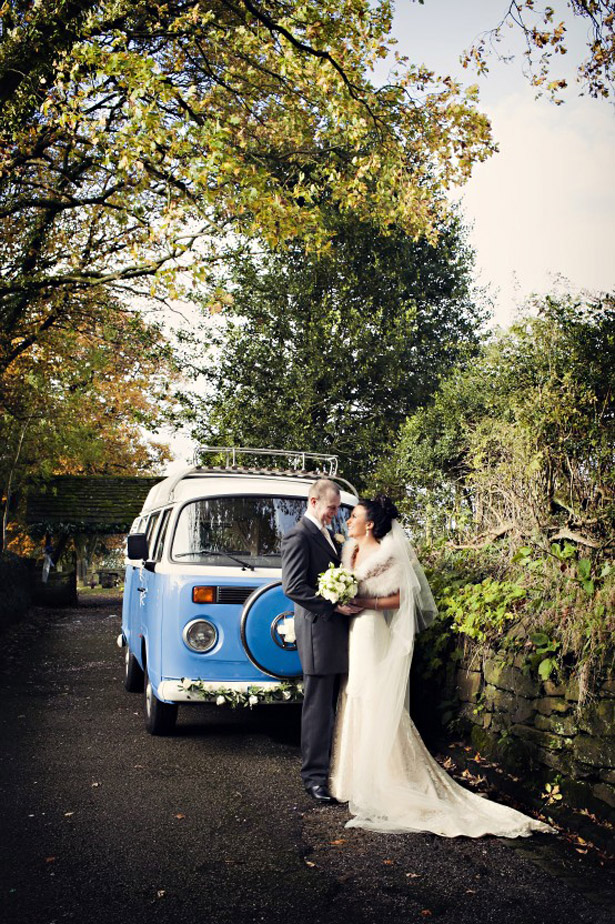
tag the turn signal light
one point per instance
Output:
(203, 594)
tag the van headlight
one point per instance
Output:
(200, 635)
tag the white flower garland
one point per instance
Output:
(253, 696)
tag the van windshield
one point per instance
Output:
(249, 527)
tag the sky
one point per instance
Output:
(542, 210)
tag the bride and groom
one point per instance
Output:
(358, 742)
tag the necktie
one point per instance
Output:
(327, 536)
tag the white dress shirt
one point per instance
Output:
(323, 529)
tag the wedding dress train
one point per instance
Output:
(380, 765)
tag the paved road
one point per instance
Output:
(103, 823)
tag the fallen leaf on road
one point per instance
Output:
(389, 862)
(413, 875)
(50, 859)
(426, 913)
(180, 815)
(309, 863)
(68, 814)
(338, 842)
(95, 785)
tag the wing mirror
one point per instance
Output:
(137, 547)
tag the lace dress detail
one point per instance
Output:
(383, 770)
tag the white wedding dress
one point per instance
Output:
(380, 765)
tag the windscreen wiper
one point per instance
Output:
(244, 564)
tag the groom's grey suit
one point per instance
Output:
(322, 643)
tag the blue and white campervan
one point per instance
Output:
(204, 614)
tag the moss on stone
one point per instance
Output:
(507, 677)
(598, 752)
(599, 718)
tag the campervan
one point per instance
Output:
(204, 616)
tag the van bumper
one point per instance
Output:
(178, 691)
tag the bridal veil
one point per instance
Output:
(394, 784)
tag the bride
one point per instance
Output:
(380, 765)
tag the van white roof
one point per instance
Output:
(199, 482)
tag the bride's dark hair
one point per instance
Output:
(381, 511)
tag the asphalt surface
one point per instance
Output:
(103, 823)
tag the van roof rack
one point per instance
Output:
(298, 462)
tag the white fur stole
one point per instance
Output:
(378, 574)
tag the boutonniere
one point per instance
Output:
(340, 538)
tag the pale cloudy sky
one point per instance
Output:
(544, 207)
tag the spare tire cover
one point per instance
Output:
(267, 632)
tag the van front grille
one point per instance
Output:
(234, 594)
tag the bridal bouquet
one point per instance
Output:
(337, 584)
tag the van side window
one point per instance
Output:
(150, 529)
(157, 553)
(137, 526)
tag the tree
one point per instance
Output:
(77, 402)
(544, 30)
(523, 440)
(133, 130)
(331, 352)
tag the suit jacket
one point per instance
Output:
(322, 635)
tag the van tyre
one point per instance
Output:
(133, 673)
(160, 718)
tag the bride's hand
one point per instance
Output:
(348, 609)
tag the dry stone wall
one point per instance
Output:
(541, 729)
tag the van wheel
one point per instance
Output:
(133, 673)
(160, 717)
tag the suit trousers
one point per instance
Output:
(320, 693)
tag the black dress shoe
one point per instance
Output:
(321, 794)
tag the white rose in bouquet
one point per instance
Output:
(337, 584)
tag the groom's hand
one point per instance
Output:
(348, 609)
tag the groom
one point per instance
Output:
(321, 629)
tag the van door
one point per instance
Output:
(150, 591)
(136, 590)
(130, 601)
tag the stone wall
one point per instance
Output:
(540, 729)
